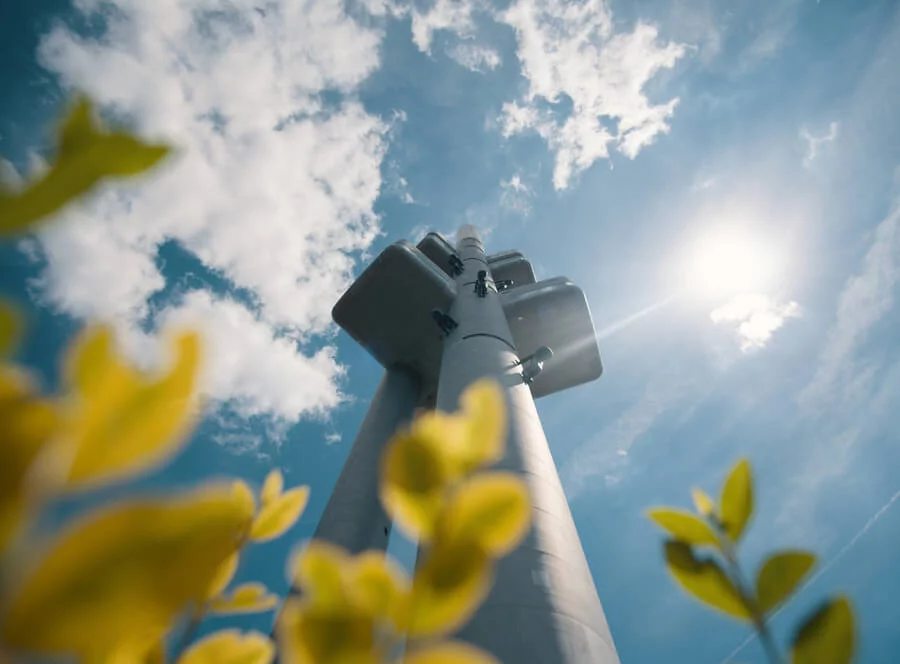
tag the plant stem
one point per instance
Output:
(747, 595)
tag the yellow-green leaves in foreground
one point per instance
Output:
(87, 153)
(684, 526)
(437, 451)
(717, 580)
(278, 511)
(120, 421)
(780, 576)
(737, 500)
(246, 598)
(230, 647)
(827, 636)
(357, 608)
(705, 579)
(27, 424)
(118, 578)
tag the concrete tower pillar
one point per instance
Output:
(354, 517)
(543, 608)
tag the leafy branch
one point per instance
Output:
(718, 579)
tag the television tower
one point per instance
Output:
(438, 318)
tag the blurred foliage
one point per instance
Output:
(125, 581)
(717, 579)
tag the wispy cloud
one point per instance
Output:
(272, 189)
(516, 196)
(814, 144)
(865, 299)
(451, 15)
(755, 318)
(572, 49)
(851, 392)
(603, 458)
(475, 57)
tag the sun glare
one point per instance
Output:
(725, 262)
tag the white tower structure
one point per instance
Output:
(438, 317)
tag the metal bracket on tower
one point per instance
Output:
(456, 265)
(480, 284)
(534, 364)
(444, 321)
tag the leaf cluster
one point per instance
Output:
(715, 576)
(117, 582)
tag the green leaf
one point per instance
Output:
(123, 155)
(683, 526)
(704, 505)
(827, 637)
(78, 129)
(10, 329)
(705, 580)
(780, 576)
(737, 500)
(87, 154)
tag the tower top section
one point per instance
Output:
(467, 231)
(397, 309)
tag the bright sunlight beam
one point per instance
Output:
(727, 261)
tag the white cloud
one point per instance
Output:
(865, 299)
(333, 438)
(451, 15)
(605, 456)
(756, 316)
(475, 57)
(271, 189)
(515, 196)
(570, 49)
(251, 367)
(814, 144)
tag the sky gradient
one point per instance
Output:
(722, 180)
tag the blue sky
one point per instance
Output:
(607, 141)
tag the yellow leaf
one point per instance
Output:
(413, 480)
(448, 587)
(244, 495)
(319, 572)
(312, 634)
(484, 410)
(704, 505)
(737, 500)
(272, 487)
(90, 358)
(230, 647)
(780, 575)
(27, 425)
(683, 526)
(450, 652)
(378, 587)
(705, 580)
(223, 576)
(156, 654)
(492, 510)
(122, 574)
(79, 129)
(87, 155)
(246, 598)
(123, 155)
(826, 637)
(10, 329)
(421, 463)
(122, 422)
(275, 518)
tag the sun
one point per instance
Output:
(726, 261)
